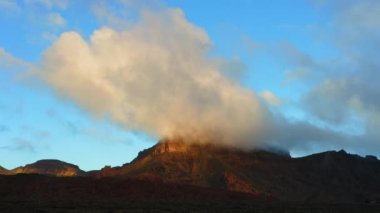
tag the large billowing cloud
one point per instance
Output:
(155, 76)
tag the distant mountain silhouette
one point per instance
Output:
(3, 171)
(328, 177)
(48, 167)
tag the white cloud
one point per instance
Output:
(155, 76)
(49, 4)
(103, 13)
(9, 6)
(350, 90)
(56, 20)
(48, 36)
(10, 63)
(270, 98)
(300, 65)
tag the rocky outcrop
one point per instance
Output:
(328, 177)
(325, 177)
(206, 165)
(49, 167)
(3, 171)
(235, 183)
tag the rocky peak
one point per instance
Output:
(170, 146)
(164, 146)
(178, 145)
(3, 171)
(49, 167)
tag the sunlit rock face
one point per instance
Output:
(194, 163)
(3, 171)
(167, 146)
(49, 167)
(332, 176)
(171, 146)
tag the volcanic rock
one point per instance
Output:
(49, 167)
(325, 177)
(3, 171)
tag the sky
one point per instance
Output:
(94, 82)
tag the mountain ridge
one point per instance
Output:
(50, 167)
(332, 176)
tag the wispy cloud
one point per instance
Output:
(349, 90)
(270, 98)
(56, 20)
(302, 66)
(10, 63)
(48, 4)
(20, 144)
(9, 7)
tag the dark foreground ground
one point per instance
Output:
(162, 206)
(37, 193)
(129, 205)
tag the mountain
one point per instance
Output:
(3, 171)
(268, 174)
(204, 165)
(176, 176)
(325, 177)
(49, 167)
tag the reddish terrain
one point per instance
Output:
(175, 175)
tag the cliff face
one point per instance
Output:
(164, 147)
(49, 167)
(325, 177)
(329, 177)
(3, 171)
(204, 165)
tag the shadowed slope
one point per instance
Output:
(49, 167)
(3, 171)
(329, 177)
(325, 177)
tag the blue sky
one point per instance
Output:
(308, 55)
